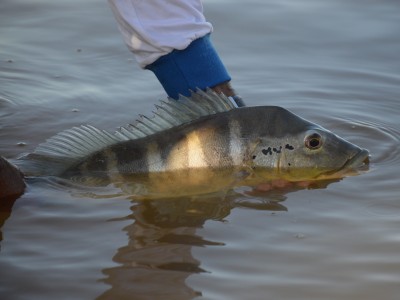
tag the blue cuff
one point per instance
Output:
(197, 66)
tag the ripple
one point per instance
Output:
(388, 208)
(76, 189)
(6, 101)
(382, 140)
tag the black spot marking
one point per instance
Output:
(267, 151)
(254, 156)
(289, 164)
(289, 147)
(277, 150)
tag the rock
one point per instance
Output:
(12, 184)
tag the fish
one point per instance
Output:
(197, 141)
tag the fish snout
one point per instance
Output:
(360, 159)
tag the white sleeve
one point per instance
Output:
(153, 28)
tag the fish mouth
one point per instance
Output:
(355, 165)
(359, 160)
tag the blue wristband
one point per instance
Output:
(197, 66)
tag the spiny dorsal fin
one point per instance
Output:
(173, 113)
(71, 146)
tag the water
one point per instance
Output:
(333, 62)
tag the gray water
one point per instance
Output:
(334, 62)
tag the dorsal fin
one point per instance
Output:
(71, 146)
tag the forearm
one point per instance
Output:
(154, 28)
(172, 39)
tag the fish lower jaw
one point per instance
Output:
(359, 160)
(357, 164)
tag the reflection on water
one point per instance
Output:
(158, 258)
(162, 233)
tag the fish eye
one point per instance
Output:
(313, 141)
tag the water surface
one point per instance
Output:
(334, 62)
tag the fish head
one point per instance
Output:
(319, 153)
(309, 152)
